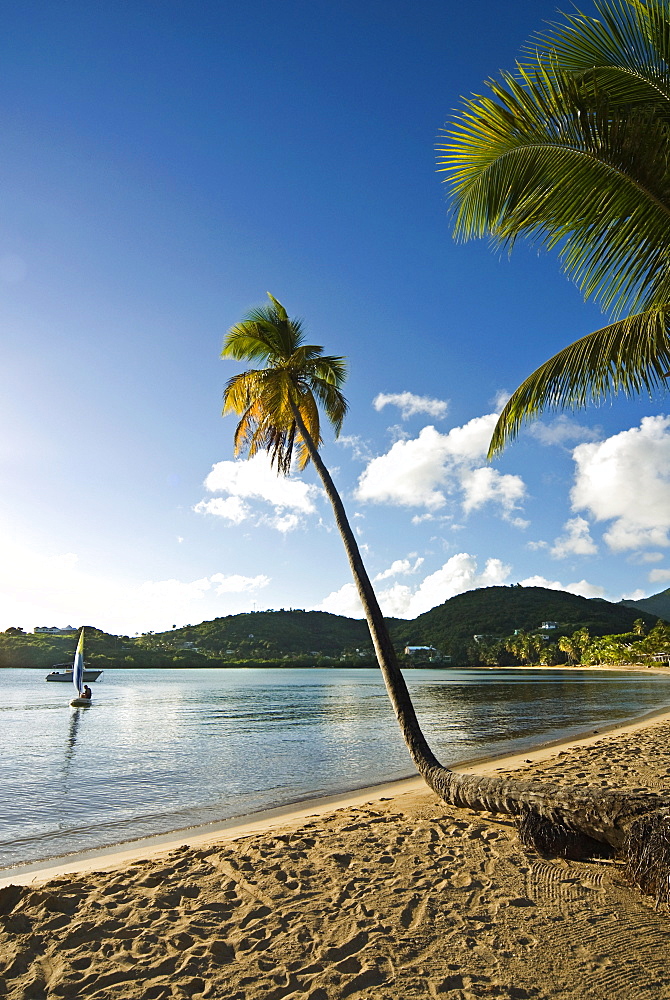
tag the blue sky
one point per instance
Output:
(163, 166)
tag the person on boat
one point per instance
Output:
(86, 693)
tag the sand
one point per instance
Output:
(384, 896)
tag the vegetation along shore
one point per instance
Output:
(493, 626)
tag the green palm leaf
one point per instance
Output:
(542, 162)
(626, 49)
(572, 151)
(629, 356)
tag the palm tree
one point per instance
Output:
(567, 645)
(279, 411)
(278, 407)
(572, 152)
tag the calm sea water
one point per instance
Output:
(162, 750)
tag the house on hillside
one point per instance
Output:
(426, 653)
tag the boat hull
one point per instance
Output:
(66, 675)
(76, 702)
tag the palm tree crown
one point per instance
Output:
(296, 376)
(573, 152)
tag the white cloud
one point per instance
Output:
(409, 474)
(636, 595)
(640, 558)
(576, 540)
(626, 479)
(399, 567)
(231, 508)
(485, 485)
(581, 587)
(659, 575)
(517, 522)
(256, 480)
(500, 399)
(344, 601)
(562, 431)
(284, 522)
(458, 574)
(425, 470)
(410, 405)
(359, 448)
(236, 584)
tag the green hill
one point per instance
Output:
(499, 611)
(275, 634)
(657, 604)
(449, 627)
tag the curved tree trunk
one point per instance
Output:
(559, 820)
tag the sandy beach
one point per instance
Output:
(388, 894)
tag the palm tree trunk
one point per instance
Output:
(419, 750)
(574, 823)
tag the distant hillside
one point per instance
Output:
(286, 637)
(657, 604)
(302, 637)
(276, 633)
(500, 610)
(449, 627)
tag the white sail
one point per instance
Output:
(78, 666)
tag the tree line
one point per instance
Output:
(641, 646)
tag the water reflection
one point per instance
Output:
(168, 749)
(75, 719)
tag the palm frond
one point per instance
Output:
(278, 309)
(527, 162)
(248, 341)
(239, 392)
(626, 49)
(332, 400)
(332, 369)
(629, 356)
(264, 333)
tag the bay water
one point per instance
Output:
(163, 750)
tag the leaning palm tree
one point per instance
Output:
(278, 406)
(573, 152)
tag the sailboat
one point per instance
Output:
(78, 674)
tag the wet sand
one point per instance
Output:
(388, 893)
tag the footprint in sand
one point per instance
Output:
(414, 912)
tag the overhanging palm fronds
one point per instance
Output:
(629, 356)
(545, 161)
(573, 152)
(625, 49)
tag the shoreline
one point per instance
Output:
(264, 821)
(263, 665)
